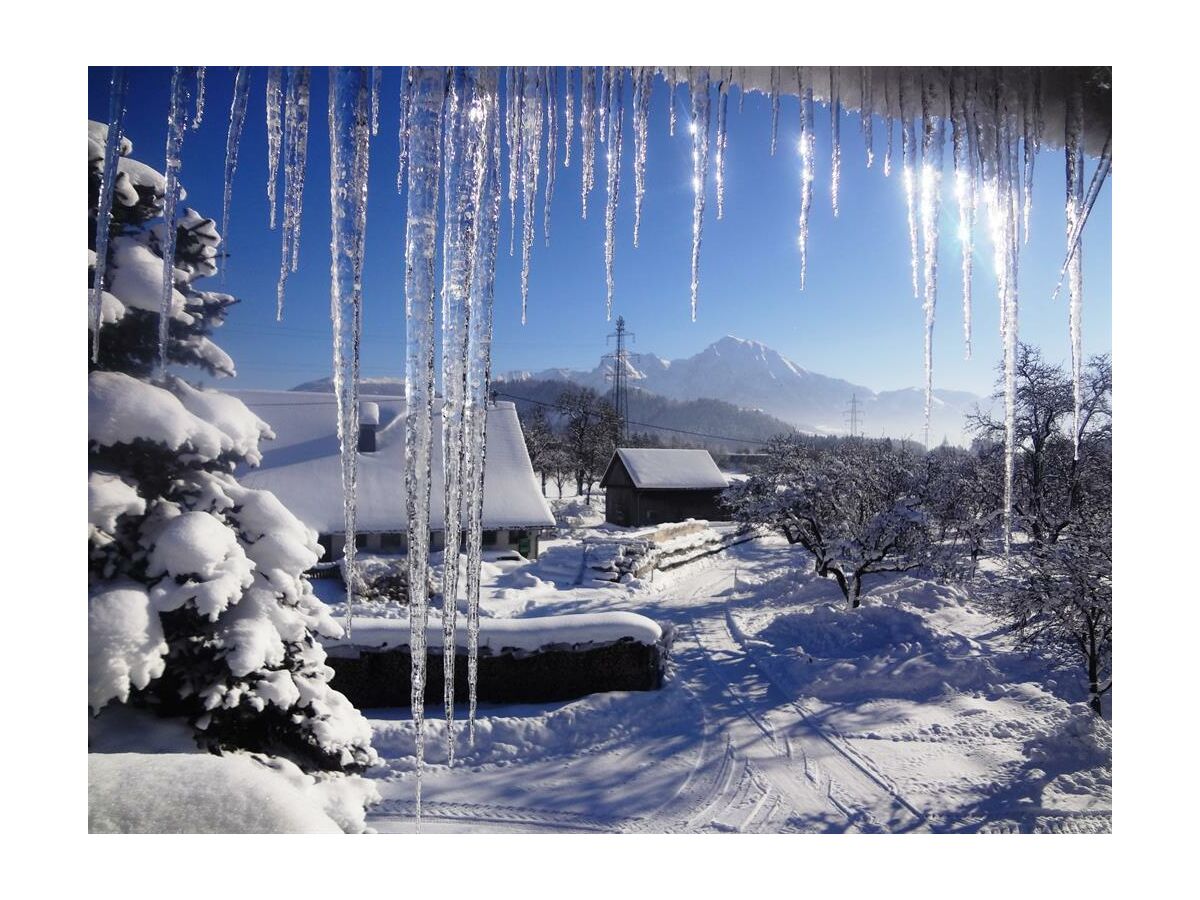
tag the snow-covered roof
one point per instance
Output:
(666, 469)
(302, 468)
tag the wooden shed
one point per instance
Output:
(647, 487)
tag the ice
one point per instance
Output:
(200, 70)
(512, 123)
(774, 107)
(551, 104)
(295, 162)
(931, 207)
(233, 140)
(176, 127)
(405, 108)
(425, 165)
(108, 180)
(965, 154)
(722, 105)
(478, 373)
(671, 105)
(643, 82)
(891, 129)
(587, 131)
(570, 112)
(807, 152)
(1074, 155)
(349, 143)
(698, 88)
(376, 93)
(274, 131)
(615, 82)
(530, 130)
(1033, 124)
(909, 154)
(835, 130)
(866, 119)
(467, 130)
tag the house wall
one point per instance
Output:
(631, 507)
(524, 540)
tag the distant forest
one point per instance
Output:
(728, 428)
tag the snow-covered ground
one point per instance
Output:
(783, 711)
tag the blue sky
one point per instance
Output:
(856, 319)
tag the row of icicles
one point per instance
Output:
(453, 133)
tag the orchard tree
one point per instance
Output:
(852, 504)
(1051, 481)
(196, 604)
(540, 441)
(590, 432)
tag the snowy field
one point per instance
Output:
(782, 712)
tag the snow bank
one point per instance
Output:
(529, 634)
(194, 793)
(843, 654)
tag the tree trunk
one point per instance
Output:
(1094, 699)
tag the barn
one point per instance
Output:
(649, 486)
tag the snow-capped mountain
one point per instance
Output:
(385, 386)
(752, 375)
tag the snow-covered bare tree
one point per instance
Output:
(853, 504)
(590, 434)
(196, 604)
(540, 440)
(1050, 480)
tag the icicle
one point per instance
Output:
(587, 131)
(964, 192)
(349, 156)
(200, 70)
(602, 102)
(698, 88)
(465, 152)
(550, 101)
(835, 130)
(1103, 167)
(931, 205)
(295, 162)
(108, 181)
(176, 128)
(866, 118)
(909, 153)
(406, 84)
(615, 79)
(274, 132)
(514, 92)
(643, 82)
(233, 140)
(1074, 154)
(671, 104)
(722, 103)
(530, 130)
(808, 149)
(429, 86)
(570, 104)
(891, 127)
(774, 107)
(478, 378)
(1032, 121)
(376, 93)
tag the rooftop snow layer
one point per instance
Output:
(651, 469)
(517, 634)
(303, 469)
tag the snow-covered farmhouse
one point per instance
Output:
(303, 469)
(646, 487)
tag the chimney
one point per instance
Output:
(368, 424)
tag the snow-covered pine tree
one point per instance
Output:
(196, 604)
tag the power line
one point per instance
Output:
(716, 437)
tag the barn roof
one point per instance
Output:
(652, 469)
(302, 467)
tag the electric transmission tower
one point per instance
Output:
(854, 416)
(619, 374)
